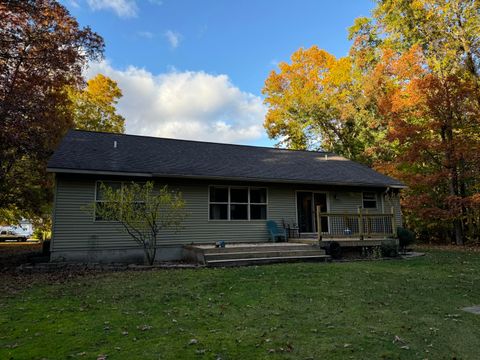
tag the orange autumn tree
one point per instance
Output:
(405, 100)
(424, 58)
(433, 128)
(316, 102)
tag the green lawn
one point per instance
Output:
(292, 311)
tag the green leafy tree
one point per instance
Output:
(142, 212)
(93, 108)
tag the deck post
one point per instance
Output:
(394, 226)
(360, 223)
(319, 223)
(369, 225)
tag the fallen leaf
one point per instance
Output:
(144, 327)
(398, 339)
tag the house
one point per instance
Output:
(230, 193)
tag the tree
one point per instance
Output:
(42, 50)
(93, 108)
(434, 114)
(433, 130)
(142, 212)
(316, 102)
(406, 100)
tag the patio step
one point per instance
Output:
(248, 248)
(250, 254)
(266, 260)
(262, 254)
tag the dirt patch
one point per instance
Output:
(14, 283)
(13, 254)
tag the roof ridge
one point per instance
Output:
(208, 142)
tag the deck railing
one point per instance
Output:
(355, 225)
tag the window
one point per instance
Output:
(369, 200)
(258, 203)
(219, 203)
(237, 203)
(100, 195)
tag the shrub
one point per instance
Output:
(38, 234)
(405, 237)
(334, 250)
(389, 250)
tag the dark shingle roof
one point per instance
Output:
(84, 151)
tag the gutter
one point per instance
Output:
(97, 172)
(224, 178)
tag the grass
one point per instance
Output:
(360, 310)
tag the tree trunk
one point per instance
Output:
(453, 166)
(457, 224)
(150, 252)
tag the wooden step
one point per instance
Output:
(247, 248)
(266, 260)
(263, 254)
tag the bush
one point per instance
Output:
(41, 234)
(405, 237)
(334, 250)
(389, 250)
(37, 234)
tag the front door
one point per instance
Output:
(307, 202)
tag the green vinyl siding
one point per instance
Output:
(74, 227)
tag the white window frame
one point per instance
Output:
(229, 203)
(238, 203)
(375, 195)
(219, 202)
(102, 201)
(250, 203)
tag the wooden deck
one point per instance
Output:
(345, 242)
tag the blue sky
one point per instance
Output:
(195, 68)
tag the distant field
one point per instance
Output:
(398, 309)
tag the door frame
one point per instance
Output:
(327, 195)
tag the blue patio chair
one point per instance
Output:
(275, 231)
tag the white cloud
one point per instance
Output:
(173, 38)
(186, 105)
(123, 8)
(145, 34)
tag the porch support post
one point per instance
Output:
(394, 226)
(367, 218)
(319, 223)
(360, 223)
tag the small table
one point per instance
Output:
(293, 231)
